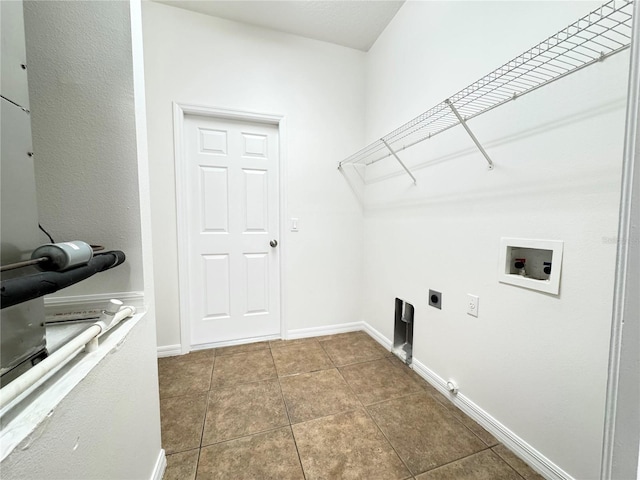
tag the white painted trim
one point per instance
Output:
(512, 441)
(324, 330)
(291, 334)
(229, 343)
(161, 466)
(621, 443)
(72, 306)
(377, 336)
(169, 350)
(284, 222)
(552, 285)
(142, 154)
(181, 224)
(179, 112)
(23, 415)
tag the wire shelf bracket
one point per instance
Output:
(589, 40)
(399, 161)
(473, 137)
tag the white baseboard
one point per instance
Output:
(512, 441)
(161, 465)
(172, 350)
(378, 337)
(228, 343)
(83, 306)
(324, 330)
(169, 350)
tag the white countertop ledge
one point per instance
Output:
(20, 420)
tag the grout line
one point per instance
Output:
(476, 453)
(227, 385)
(461, 422)
(328, 415)
(226, 440)
(284, 402)
(204, 420)
(358, 406)
(505, 461)
(305, 372)
(394, 398)
(272, 429)
(213, 369)
(189, 394)
(351, 388)
(411, 474)
(186, 451)
(240, 353)
(197, 463)
(295, 443)
(327, 354)
(457, 460)
(369, 360)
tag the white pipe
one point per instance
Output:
(88, 337)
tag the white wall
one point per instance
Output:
(107, 428)
(537, 363)
(195, 59)
(81, 92)
(88, 115)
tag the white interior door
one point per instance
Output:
(233, 225)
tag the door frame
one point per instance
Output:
(180, 110)
(621, 442)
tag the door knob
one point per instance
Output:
(273, 243)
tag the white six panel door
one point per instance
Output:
(232, 189)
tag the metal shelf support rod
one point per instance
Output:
(466, 127)
(400, 161)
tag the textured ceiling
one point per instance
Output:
(351, 23)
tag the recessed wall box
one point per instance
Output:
(528, 263)
(403, 331)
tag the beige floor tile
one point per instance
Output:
(353, 348)
(340, 336)
(182, 420)
(244, 409)
(317, 394)
(423, 432)
(300, 358)
(485, 465)
(265, 456)
(245, 347)
(243, 368)
(379, 380)
(468, 422)
(516, 463)
(286, 343)
(185, 374)
(413, 374)
(346, 446)
(182, 466)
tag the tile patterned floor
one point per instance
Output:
(333, 407)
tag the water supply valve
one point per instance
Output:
(519, 264)
(452, 386)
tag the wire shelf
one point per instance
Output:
(600, 34)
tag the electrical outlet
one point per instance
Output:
(472, 304)
(435, 299)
